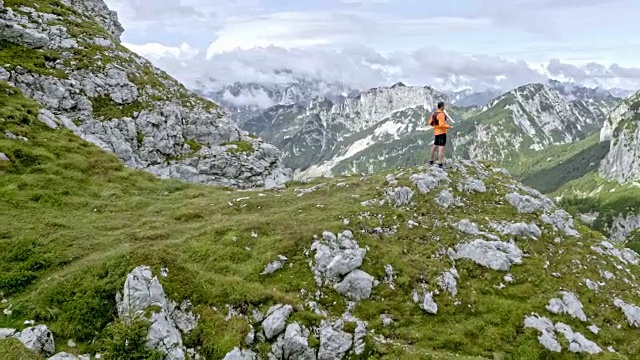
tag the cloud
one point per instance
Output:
(367, 43)
(258, 98)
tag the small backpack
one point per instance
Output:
(434, 118)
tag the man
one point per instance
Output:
(439, 122)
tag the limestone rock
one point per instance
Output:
(63, 356)
(276, 319)
(275, 265)
(562, 221)
(3, 157)
(496, 255)
(336, 256)
(548, 336)
(632, 312)
(526, 203)
(445, 198)
(37, 338)
(334, 342)
(238, 354)
(399, 196)
(142, 290)
(426, 302)
(569, 304)
(356, 285)
(293, 344)
(577, 342)
(428, 181)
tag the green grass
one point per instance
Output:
(592, 193)
(550, 169)
(80, 221)
(13, 349)
(241, 147)
(33, 60)
(105, 109)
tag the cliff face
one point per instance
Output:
(621, 128)
(67, 56)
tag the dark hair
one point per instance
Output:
(440, 104)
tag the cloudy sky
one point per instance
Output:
(364, 43)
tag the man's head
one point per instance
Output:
(441, 105)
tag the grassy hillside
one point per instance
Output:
(80, 221)
(553, 167)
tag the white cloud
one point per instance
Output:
(364, 43)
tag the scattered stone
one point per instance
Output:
(577, 342)
(411, 224)
(63, 356)
(358, 341)
(386, 320)
(523, 229)
(561, 221)
(591, 284)
(3, 157)
(547, 337)
(570, 304)
(301, 192)
(625, 255)
(276, 319)
(251, 336)
(11, 136)
(71, 343)
(38, 339)
(594, 329)
(6, 333)
(275, 265)
(632, 312)
(428, 181)
(445, 198)
(237, 354)
(142, 290)
(472, 185)
(496, 255)
(399, 196)
(293, 344)
(426, 302)
(356, 285)
(607, 275)
(336, 256)
(334, 342)
(391, 179)
(389, 276)
(509, 278)
(447, 281)
(525, 203)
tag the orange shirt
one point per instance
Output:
(442, 126)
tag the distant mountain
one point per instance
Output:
(243, 101)
(526, 120)
(469, 97)
(324, 134)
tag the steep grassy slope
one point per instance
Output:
(80, 221)
(550, 169)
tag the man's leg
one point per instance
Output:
(442, 143)
(433, 154)
(441, 155)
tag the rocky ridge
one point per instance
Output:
(528, 119)
(67, 56)
(243, 101)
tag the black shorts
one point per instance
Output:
(440, 140)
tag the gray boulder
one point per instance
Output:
(334, 342)
(37, 338)
(276, 320)
(356, 285)
(496, 255)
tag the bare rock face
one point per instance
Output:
(120, 102)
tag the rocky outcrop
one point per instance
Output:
(622, 163)
(119, 101)
(143, 293)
